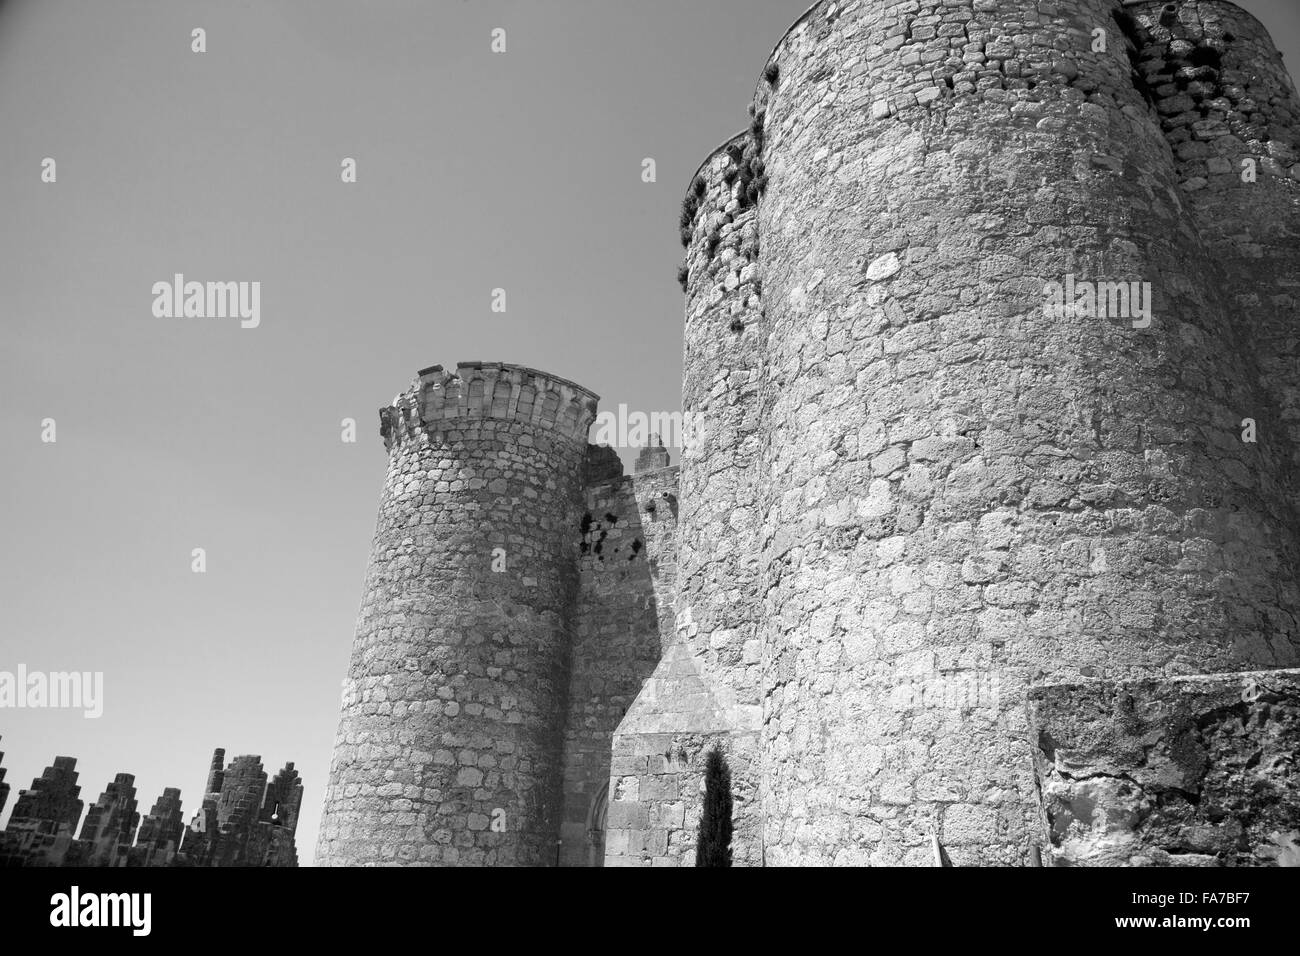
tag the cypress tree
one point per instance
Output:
(714, 845)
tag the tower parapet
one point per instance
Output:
(479, 391)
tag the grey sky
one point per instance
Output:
(476, 171)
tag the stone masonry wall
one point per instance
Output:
(909, 490)
(451, 736)
(706, 690)
(622, 621)
(1231, 114)
(1192, 771)
(657, 771)
(4, 787)
(960, 487)
(241, 821)
(658, 797)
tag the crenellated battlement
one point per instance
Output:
(439, 399)
(524, 576)
(867, 346)
(241, 821)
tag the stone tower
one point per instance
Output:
(918, 490)
(987, 500)
(451, 738)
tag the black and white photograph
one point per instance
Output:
(517, 434)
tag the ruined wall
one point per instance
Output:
(958, 484)
(1192, 771)
(623, 619)
(706, 690)
(241, 821)
(450, 740)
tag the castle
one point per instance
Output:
(952, 570)
(243, 820)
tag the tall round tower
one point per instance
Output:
(723, 350)
(976, 477)
(1231, 113)
(449, 744)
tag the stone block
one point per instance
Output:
(1170, 772)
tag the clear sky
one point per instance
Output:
(475, 171)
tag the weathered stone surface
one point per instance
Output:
(1222, 60)
(517, 592)
(623, 616)
(705, 690)
(910, 490)
(4, 787)
(660, 748)
(241, 821)
(1191, 771)
(916, 392)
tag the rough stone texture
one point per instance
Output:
(957, 483)
(1195, 771)
(1224, 96)
(461, 741)
(52, 804)
(706, 690)
(651, 458)
(246, 822)
(909, 490)
(241, 822)
(111, 821)
(161, 829)
(624, 613)
(657, 773)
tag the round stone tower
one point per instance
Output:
(1231, 113)
(723, 354)
(449, 745)
(975, 478)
